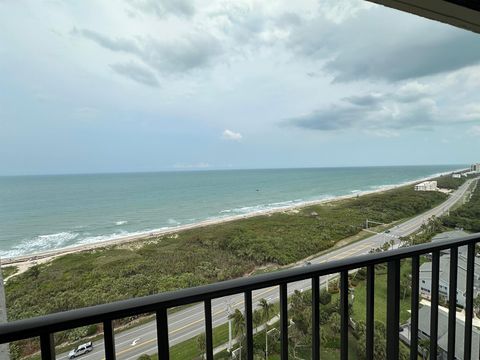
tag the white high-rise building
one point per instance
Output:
(475, 167)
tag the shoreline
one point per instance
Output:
(26, 261)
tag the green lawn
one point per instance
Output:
(380, 314)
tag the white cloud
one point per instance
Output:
(199, 165)
(231, 135)
(475, 130)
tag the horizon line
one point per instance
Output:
(187, 170)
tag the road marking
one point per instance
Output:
(134, 342)
(136, 345)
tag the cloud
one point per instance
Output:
(412, 106)
(177, 55)
(382, 44)
(136, 72)
(162, 8)
(231, 135)
(117, 44)
(85, 113)
(182, 55)
(199, 165)
(474, 130)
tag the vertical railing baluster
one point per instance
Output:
(452, 303)
(370, 311)
(393, 309)
(283, 322)
(249, 323)
(162, 334)
(344, 315)
(208, 329)
(109, 340)
(315, 318)
(434, 304)
(47, 346)
(414, 308)
(469, 301)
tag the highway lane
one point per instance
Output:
(189, 322)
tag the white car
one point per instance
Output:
(80, 350)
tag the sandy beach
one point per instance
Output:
(25, 262)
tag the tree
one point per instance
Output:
(238, 328)
(424, 345)
(267, 311)
(257, 319)
(476, 305)
(334, 321)
(325, 297)
(405, 286)
(201, 344)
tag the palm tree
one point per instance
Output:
(201, 344)
(425, 346)
(257, 319)
(238, 328)
(267, 311)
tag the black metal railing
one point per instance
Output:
(45, 326)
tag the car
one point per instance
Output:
(387, 231)
(80, 350)
(307, 263)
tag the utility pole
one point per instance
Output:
(4, 348)
(228, 309)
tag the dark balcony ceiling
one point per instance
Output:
(464, 14)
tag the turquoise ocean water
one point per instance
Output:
(40, 213)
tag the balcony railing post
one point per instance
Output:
(467, 351)
(434, 304)
(109, 340)
(283, 322)
(208, 329)
(393, 309)
(344, 315)
(370, 318)
(249, 323)
(47, 346)
(315, 318)
(452, 303)
(414, 308)
(162, 334)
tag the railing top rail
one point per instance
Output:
(33, 327)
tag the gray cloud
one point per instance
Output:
(136, 73)
(163, 8)
(382, 44)
(377, 112)
(188, 53)
(182, 55)
(118, 44)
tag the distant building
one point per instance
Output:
(426, 186)
(424, 331)
(456, 176)
(475, 167)
(425, 274)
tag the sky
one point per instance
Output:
(158, 85)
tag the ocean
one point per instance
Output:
(42, 213)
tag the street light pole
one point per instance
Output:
(228, 309)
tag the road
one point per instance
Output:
(189, 322)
